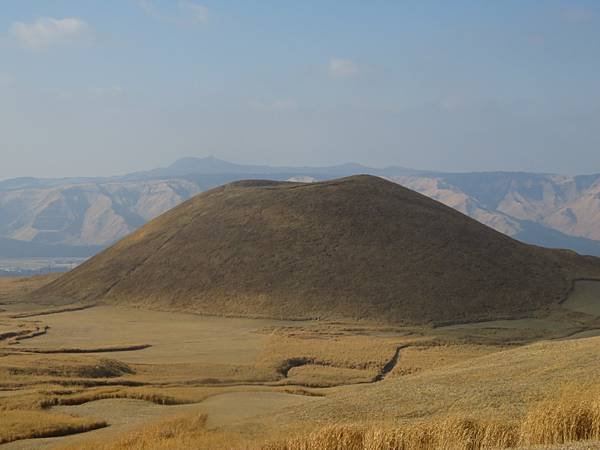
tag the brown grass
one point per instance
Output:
(15, 425)
(152, 395)
(450, 434)
(573, 417)
(13, 332)
(47, 312)
(359, 248)
(112, 349)
(417, 358)
(550, 422)
(92, 368)
(43, 399)
(435, 377)
(14, 288)
(313, 357)
(171, 434)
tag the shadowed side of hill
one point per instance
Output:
(357, 247)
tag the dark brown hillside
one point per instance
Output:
(357, 247)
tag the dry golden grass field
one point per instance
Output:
(109, 377)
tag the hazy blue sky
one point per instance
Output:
(110, 86)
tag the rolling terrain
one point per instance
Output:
(375, 318)
(112, 377)
(355, 248)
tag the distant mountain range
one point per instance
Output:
(82, 215)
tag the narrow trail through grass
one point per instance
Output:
(390, 365)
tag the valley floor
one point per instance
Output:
(79, 376)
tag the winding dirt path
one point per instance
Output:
(390, 365)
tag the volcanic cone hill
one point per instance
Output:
(357, 247)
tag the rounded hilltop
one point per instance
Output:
(358, 247)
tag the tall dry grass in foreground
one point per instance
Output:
(572, 417)
(171, 434)
(448, 434)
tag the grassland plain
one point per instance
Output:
(563, 422)
(203, 360)
(269, 384)
(14, 289)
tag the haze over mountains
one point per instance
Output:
(544, 209)
(359, 247)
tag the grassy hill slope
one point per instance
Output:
(357, 247)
